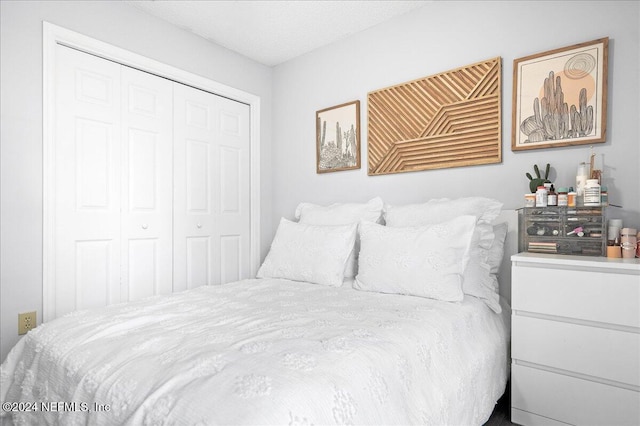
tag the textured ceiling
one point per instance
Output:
(272, 32)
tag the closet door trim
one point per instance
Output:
(54, 35)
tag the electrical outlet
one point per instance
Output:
(26, 321)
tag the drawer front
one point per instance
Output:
(599, 352)
(588, 295)
(520, 417)
(571, 400)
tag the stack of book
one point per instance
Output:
(541, 247)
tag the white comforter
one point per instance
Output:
(263, 352)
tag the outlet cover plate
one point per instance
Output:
(26, 321)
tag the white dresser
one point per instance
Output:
(575, 343)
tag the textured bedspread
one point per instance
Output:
(263, 352)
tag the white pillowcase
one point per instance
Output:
(478, 280)
(315, 254)
(486, 211)
(496, 252)
(426, 261)
(481, 286)
(342, 214)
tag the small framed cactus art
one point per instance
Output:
(338, 138)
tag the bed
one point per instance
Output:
(323, 348)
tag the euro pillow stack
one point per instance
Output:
(478, 280)
(426, 261)
(342, 214)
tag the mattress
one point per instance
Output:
(262, 351)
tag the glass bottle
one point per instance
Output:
(552, 197)
(592, 193)
(541, 197)
(581, 179)
(563, 197)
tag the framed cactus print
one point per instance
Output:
(338, 138)
(560, 97)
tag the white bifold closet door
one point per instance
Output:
(151, 185)
(146, 195)
(211, 198)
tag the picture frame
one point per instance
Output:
(338, 138)
(449, 119)
(560, 97)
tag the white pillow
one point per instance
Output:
(483, 285)
(478, 280)
(426, 261)
(486, 211)
(342, 214)
(486, 287)
(496, 252)
(316, 254)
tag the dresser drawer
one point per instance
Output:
(595, 351)
(572, 400)
(520, 417)
(612, 298)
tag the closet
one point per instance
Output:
(152, 185)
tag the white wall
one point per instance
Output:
(21, 120)
(436, 38)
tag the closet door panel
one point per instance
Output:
(231, 255)
(195, 188)
(211, 182)
(198, 259)
(87, 182)
(198, 174)
(234, 173)
(147, 185)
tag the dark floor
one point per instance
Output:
(501, 416)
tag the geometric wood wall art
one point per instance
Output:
(451, 119)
